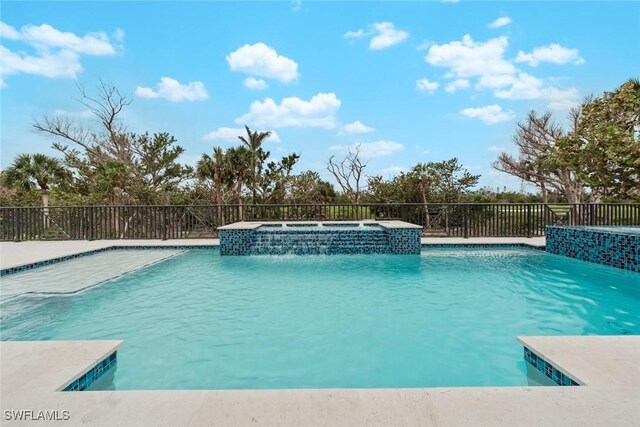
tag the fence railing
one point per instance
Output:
(202, 221)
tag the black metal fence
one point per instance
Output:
(202, 221)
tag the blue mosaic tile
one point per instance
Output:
(550, 371)
(89, 377)
(615, 249)
(316, 241)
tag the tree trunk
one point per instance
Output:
(239, 195)
(218, 191)
(427, 218)
(45, 207)
(254, 192)
(571, 189)
(545, 193)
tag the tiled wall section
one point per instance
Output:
(399, 241)
(547, 368)
(404, 240)
(603, 247)
(88, 378)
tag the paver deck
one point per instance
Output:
(31, 372)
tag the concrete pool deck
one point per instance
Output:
(607, 367)
(13, 254)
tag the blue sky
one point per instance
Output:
(407, 81)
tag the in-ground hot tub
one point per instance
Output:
(320, 238)
(614, 246)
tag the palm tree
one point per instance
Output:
(253, 142)
(30, 171)
(213, 168)
(239, 161)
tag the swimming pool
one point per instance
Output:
(448, 317)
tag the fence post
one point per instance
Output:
(529, 221)
(164, 223)
(466, 221)
(17, 224)
(90, 235)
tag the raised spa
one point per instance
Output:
(320, 238)
(613, 246)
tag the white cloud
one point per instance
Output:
(490, 114)
(485, 62)
(457, 85)
(426, 152)
(384, 35)
(319, 111)
(45, 36)
(255, 84)
(526, 86)
(8, 32)
(56, 54)
(565, 104)
(370, 150)
(118, 35)
(231, 135)
(500, 22)
(387, 36)
(450, 1)
(261, 60)
(424, 85)
(495, 81)
(174, 91)
(60, 64)
(355, 34)
(392, 171)
(224, 134)
(355, 127)
(84, 114)
(424, 45)
(553, 53)
(496, 149)
(467, 58)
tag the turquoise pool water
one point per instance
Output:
(449, 317)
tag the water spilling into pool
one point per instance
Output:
(446, 318)
(320, 238)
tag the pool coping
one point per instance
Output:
(599, 229)
(605, 366)
(252, 225)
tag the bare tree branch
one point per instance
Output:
(348, 173)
